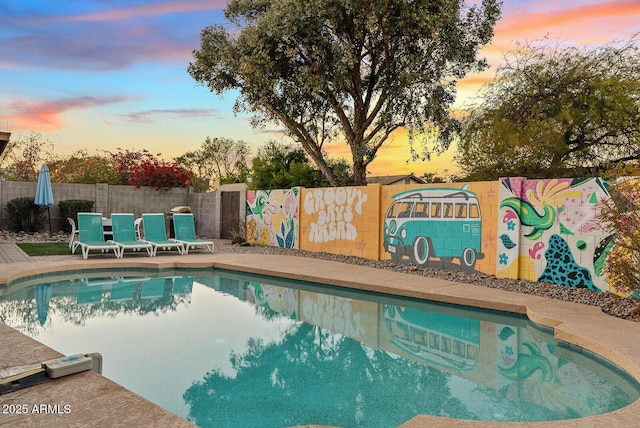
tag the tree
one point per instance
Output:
(351, 70)
(80, 167)
(554, 111)
(220, 160)
(23, 158)
(278, 166)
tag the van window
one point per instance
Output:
(393, 210)
(422, 210)
(436, 209)
(398, 208)
(447, 210)
(461, 210)
(474, 211)
(404, 209)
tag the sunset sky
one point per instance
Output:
(108, 74)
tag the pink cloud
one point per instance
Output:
(110, 39)
(597, 22)
(47, 115)
(147, 10)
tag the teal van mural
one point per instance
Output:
(435, 222)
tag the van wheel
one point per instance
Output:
(468, 257)
(421, 250)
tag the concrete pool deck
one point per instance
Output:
(93, 400)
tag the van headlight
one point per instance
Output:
(403, 233)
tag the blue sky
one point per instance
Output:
(108, 74)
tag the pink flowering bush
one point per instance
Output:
(159, 174)
(144, 169)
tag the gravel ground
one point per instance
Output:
(609, 303)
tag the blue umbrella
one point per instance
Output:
(44, 194)
(43, 296)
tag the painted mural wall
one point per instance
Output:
(341, 220)
(549, 232)
(273, 217)
(539, 230)
(445, 226)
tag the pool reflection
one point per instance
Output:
(324, 355)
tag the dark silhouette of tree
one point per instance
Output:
(323, 378)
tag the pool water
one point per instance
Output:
(221, 348)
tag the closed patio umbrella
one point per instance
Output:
(43, 296)
(44, 194)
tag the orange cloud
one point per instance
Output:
(593, 20)
(45, 116)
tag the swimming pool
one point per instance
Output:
(226, 349)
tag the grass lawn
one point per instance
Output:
(45, 248)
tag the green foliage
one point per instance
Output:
(45, 248)
(556, 111)
(278, 166)
(71, 207)
(24, 155)
(350, 71)
(218, 161)
(24, 215)
(81, 167)
(621, 215)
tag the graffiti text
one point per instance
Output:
(335, 209)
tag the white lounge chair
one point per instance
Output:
(185, 232)
(155, 233)
(91, 235)
(124, 234)
(73, 239)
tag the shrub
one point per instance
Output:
(621, 216)
(71, 208)
(144, 169)
(161, 175)
(24, 215)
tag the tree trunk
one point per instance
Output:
(359, 173)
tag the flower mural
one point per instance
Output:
(272, 217)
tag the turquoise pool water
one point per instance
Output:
(221, 348)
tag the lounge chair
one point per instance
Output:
(91, 235)
(185, 232)
(73, 238)
(137, 222)
(124, 234)
(155, 233)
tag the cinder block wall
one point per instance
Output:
(203, 206)
(107, 199)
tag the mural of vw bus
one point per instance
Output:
(436, 222)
